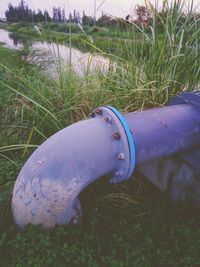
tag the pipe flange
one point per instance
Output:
(122, 142)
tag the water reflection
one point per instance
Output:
(10, 40)
(61, 56)
(55, 58)
(17, 42)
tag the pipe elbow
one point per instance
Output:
(47, 188)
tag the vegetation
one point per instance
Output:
(129, 224)
(115, 231)
(22, 13)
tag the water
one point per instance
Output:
(9, 40)
(55, 58)
(59, 57)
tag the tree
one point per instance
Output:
(22, 12)
(55, 14)
(63, 15)
(78, 17)
(11, 13)
(47, 16)
(142, 15)
(58, 14)
(87, 21)
(106, 21)
(70, 17)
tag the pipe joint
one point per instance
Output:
(122, 142)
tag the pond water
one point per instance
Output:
(57, 57)
(9, 40)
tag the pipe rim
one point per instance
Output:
(130, 139)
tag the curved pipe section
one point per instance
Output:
(48, 185)
(47, 188)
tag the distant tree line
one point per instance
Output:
(59, 16)
(143, 16)
(22, 12)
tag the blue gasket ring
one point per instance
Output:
(129, 139)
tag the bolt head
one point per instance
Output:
(98, 111)
(108, 119)
(116, 136)
(121, 156)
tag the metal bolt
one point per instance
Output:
(108, 119)
(116, 136)
(98, 111)
(121, 156)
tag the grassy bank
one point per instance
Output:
(93, 39)
(124, 225)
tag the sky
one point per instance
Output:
(119, 8)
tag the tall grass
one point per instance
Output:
(164, 58)
(151, 64)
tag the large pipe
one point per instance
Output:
(108, 143)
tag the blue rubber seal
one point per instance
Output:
(129, 139)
